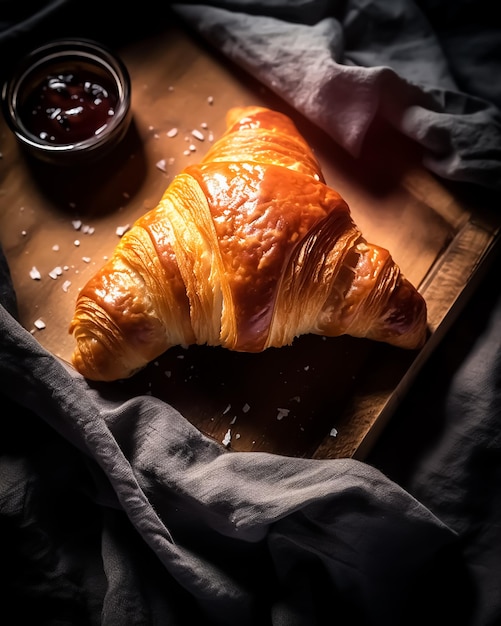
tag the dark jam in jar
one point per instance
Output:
(70, 107)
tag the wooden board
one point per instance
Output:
(321, 398)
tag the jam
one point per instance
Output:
(70, 107)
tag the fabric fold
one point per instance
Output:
(176, 486)
(354, 64)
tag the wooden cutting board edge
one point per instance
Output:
(457, 272)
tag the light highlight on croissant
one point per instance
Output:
(246, 250)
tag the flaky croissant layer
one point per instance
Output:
(246, 250)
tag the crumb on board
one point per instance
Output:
(282, 413)
(198, 134)
(39, 324)
(121, 230)
(35, 274)
(57, 271)
(227, 438)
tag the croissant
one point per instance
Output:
(247, 250)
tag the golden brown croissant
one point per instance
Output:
(246, 250)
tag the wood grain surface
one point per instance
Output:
(321, 398)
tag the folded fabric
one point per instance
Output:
(250, 538)
(117, 511)
(344, 64)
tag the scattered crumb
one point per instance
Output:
(39, 324)
(282, 413)
(161, 165)
(227, 438)
(172, 132)
(333, 432)
(66, 285)
(35, 274)
(57, 271)
(198, 135)
(121, 230)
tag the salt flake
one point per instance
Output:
(198, 135)
(35, 274)
(57, 271)
(121, 230)
(227, 438)
(282, 413)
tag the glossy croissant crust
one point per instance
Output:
(247, 250)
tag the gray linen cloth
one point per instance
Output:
(120, 512)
